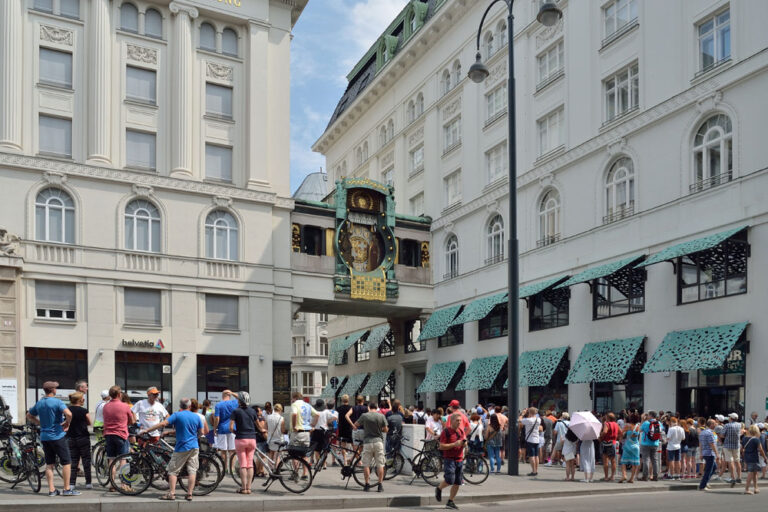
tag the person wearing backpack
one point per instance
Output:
(650, 438)
(570, 447)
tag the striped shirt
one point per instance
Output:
(732, 435)
(706, 440)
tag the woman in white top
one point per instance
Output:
(434, 425)
(675, 437)
(275, 430)
(475, 433)
(532, 424)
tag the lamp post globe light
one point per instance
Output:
(548, 15)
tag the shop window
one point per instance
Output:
(623, 395)
(412, 343)
(713, 273)
(388, 391)
(410, 253)
(142, 307)
(221, 312)
(55, 300)
(555, 393)
(548, 309)
(217, 373)
(63, 366)
(453, 336)
(620, 293)
(495, 324)
(281, 382)
(135, 372)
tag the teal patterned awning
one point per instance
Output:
(338, 346)
(439, 322)
(695, 349)
(479, 308)
(353, 384)
(538, 366)
(597, 272)
(438, 377)
(533, 289)
(375, 338)
(376, 382)
(329, 392)
(700, 244)
(481, 373)
(605, 361)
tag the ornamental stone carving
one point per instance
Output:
(222, 201)
(453, 107)
(142, 190)
(709, 102)
(548, 33)
(388, 159)
(56, 35)
(416, 136)
(497, 73)
(9, 243)
(617, 146)
(141, 54)
(219, 71)
(54, 178)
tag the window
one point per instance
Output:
(207, 37)
(142, 306)
(410, 111)
(141, 85)
(70, 8)
(456, 73)
(413, 344)
(409, 252)
(323, 346)
(153, 24)
(501, 34)
(55, 300)
(382, 135)
(494, 236)
(142, 226)
(445, 82)
(55, 136)
(390, 129)
(621, 92)
(548, 309)
(451, 257)
(388, 176)
(218, 100)
(360, 354)
(229, 42)
(620, 190)
(454, 335)
(54, 216)
(416, 204)
(365, 151)
(323, 379)
(387, 347)
(221, 312)
(452, 188)
(221, 238)
(140, 149)
(713, 153)
(551, 64)
(715, 40)
(359, 155)
(299, 346)
(713, 273)
(496, 103)
(419, 104)
(55, 68)
(416, 159)
(313, 240)
(295, 381)
(496, 162)
(129, 18)
(307, 383)
(44, 5)
(549, 218)
(551, 132)
(452, 134)
(495, 324)
(620, 293)
(218, 162)
(490, 49)
(617, 15)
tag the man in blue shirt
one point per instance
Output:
(708, 453)
(189, 426)
(224, 437)
(53, 417)
(649, 448)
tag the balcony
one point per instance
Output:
(619, 213)
(548, 240)
(494, 259)
(51, 253)
(553, 77)
(619, 32)
(713, 181)
(451, 275)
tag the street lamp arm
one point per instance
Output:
(482, 20)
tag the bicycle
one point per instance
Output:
(476, 468)
(354, 469)
(19, 460)
(427, 463)
(290, 469)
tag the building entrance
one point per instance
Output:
(217, 373)
(718, 391)
(63, 366)
(135, 372)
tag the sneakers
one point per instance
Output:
(452, 505)
(367, 487)
(54, 493)
(69, 492)
(89, 486)
(379, 488)
(548, 464)
(438, 494)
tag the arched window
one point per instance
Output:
(488, 44)
(549, 218)
(229, 42)
(153, 24)
(495, 239)
(501, 34)
(221, 236)
(620, 190)
(344, 168)
(365, 151)
(445, 82)
(419, 104)
(54, 216)
(390, 130)
(359, 155)
(410, 112)
(713, 152)
(207, 37)
(456, 72)
(383, 135)
(142, 226)
(129, 18)
(451, 257)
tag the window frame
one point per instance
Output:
(451, 257)
(153, 155)
(152, 100)
(122, 26)
(219, 147)
(613, 185)
(308, 383)
(497, 154)
(452, 134)
(701, 152)
(631, 17)
(613, 85)
(494, 240)
(636, 278)
(133, 321)
(231, 232)
(416, 166)
(495, 324)
(556, 51)
(68, 82)
(223, 114)
(222, 327)
(716, 34)
(553, 319)
(496, 103)
(360, 354)
(54, 313)
(727, 247)
(142, 204)
(67, 135)
(545, 131)
(66, 211)
(452, 188)
(549, 218)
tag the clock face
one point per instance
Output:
(362, 247)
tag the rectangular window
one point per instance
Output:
(298, 346)
(43, 5)
(218, 162)
(140, 150)
(55, 136)
(412, 343)
(617, 15)
(622, 92)
(222, 312)
(307, 383)
(387, 347)
(416, 204)
(717, 272)
(452, 188)
(55, 300)
(548, 309)
(70, 8)
(550, 132)
(496, 162)
(218, 100)
(416, 159)
(141, 85)
(714, 40)
(494, 325)
(388, 176)
(323, 379)
(294, 381)
(360, 354)
(323, 347)
(496, 103)
(55, 68)
(453, 336)
(452, 134)
(142, 306)
(619, 294)
(551, 64)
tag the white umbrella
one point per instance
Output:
(585, 426)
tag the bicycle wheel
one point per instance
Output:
(130, 474)
(359, 475)
(100, 465)
(295, 474)
(431, 468)
(395, 465)
(7, 472)
(476, 469)
(32, 473)
(208, 476)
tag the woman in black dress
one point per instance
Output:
(79, 439)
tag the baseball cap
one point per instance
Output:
(454, 403)
(719, 417)
(105, 393)
(153, 391)
(733, 416)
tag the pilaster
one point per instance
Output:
(99, 83)
(256, 101)
(181, 109)
(10, 74)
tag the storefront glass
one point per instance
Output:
(135, 372)
(718, 391)
(555, 393)
(63, 366)
(217, 373)
(281, 382)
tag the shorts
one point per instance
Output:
(225, 442)
(753, 467)
(673, 455)
(58, 448)
(262, 446)
(531, 450)
(693, 452)
(454, 471)
(115, 445)
(244, 449)
(374, 453)
(181, 459)
(731, 455)
(559, 445)
(274, 444)
(684, 450)
(608, 449)
(357, 436)
(547, 446)
(300, 439)
(317, 438)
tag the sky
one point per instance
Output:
(328, 40)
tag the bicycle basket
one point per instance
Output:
(431, 445)
(299, 450)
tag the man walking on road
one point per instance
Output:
(732, 447)
(453, 440)
(374, 427)
(708, 453)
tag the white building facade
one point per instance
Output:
(639, 127)
(144, 165)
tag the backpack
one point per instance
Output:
(570, 436)
(654, 430)
(420, 418)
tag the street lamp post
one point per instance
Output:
(548, 15)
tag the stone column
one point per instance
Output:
(181, 107)
(99, 83)
(11, 48)
(257, 96)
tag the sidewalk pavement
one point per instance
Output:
(328, 493)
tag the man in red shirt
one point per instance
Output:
(453, 440)
(117, 417)
(456, 408)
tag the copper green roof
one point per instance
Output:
(376, 383)
(378, 334)
(479, 308)
(533, 289)
(700, 244)
(439, 322)
(352, 386)
(604, 361)
(438, 377)
(601, 271)
(538, 366)
(481, 373)
(695, 349)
